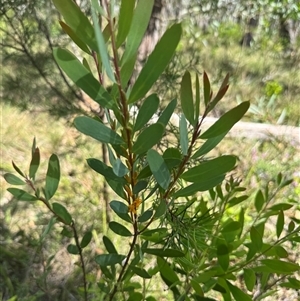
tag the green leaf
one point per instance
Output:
(259, 200)
(119, 229)
(97, 130)
(206, 89)
(159, 168)
(82, 77)
(109, 245)
(148, 138)
(166, 270)
(281, 206)
(135, 296)
(74, 37)
(119, 168)
(197, 102)
(78, 22)
(121, 210)
(125, 18)
(13, 180)
(231, 227)
(226, 121)
(139, 24)
(280, 266)
(281, 252)
(86, 239)
(164, 252)
(126, 71)
(292, 283)
(160, 209)
(34, 164)
(204, 185)
(17, 169)
(146, 111)
(186, 97)
(141, 272)
(156, 63)
(208, 145)
(101, 42)
(223, 256)
(145, 216)
(256, 239)
(52, 177)
(167, 112)
(62, 213)
(155, 235)
(22, 195)
(72, 249)
(279, 223)
(210, 169)
(250, 279)
(139, 186)
(238, 294)
(109, 259)
(183, 134)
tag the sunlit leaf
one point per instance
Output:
(281, 206)
(279, 223)
(197, 101)
(52, 177)
(148, 138)
(231, 227)
(183, 135)
(250, 279)
(155, 235)
(97, 130)
(186, 96)
(109, 259)
(159, 168)
(13, 180)
(146, 111)
(22, 195)
(34, 163)
(156, 62)
(226, 121)
(237, 293)
(120, 168)
(206, 88)
(164, 252)
(119, 229)
(280, 266)
(259, 201)
(223, 256)
(256, 239)
(62, 213)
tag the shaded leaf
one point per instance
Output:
(155, 235)
(22, 195)
(148, 138)
(231, 227)
(164, 252)
(237, 293)
(197, 101)
(97, 130)
(281, 206)
(139, 186)
(109, 259)
(17, 169)
(72, 249)
(62, 213)
(109, 245)
(156, 63)
(119, 168)
(119, 229)
(160, 209)
(280, 266)
(145, 216)
(223, 256)
(121, 210)
(250, 279)
(256, 239)
(52, 177)
(146, 111)
(34, 163)
(186, 96)
(279, 223)
(159, 168)
(259, 201)
(86, 239)
(13, 180)
(226, 121)
(141, 272)
(183, 135)
(206, 89)
(167, 112)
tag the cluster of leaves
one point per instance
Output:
(162, 212)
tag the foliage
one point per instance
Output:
(176, 207)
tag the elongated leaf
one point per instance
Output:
(206, 88)
(82, 77)
(166, 271)
(109, 245)
(223, 256)
(210, 169)
(109, 259)
(62, 213)
(160, 209)
(69, 31)
(183, 134)
(250, 279)
(34, 164)
(97, 130)
(119, 168)
(256, 239)
(226, 121)
(13, 180)
(155, 235)
(121, 210)
(259, 201)
(279, 223)
(231, 227)
(164, 252)
(140, 20)
(159, 168)
(208, 145)
(101, 42)
(186, 96)
(146, 111)
(167, 112)
(119, 229)
(86, 239)
(280, 266)
(78, 22)
(148, 138)
(141, 272)
(197, 101)
(281, 206)
(127, 70)
(145, 216)
(17, 169)
(22, 195)
(139, 186)
(52, 177)
(237, 293)
(204, 185)
(156, 63)
(125, 18)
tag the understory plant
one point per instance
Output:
(181, 213)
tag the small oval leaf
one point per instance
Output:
(62, 213)
(22, 195)
(52, 177)
(109, 259)
(119, 229)
(13, 180)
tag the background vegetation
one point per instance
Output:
(39, 101)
